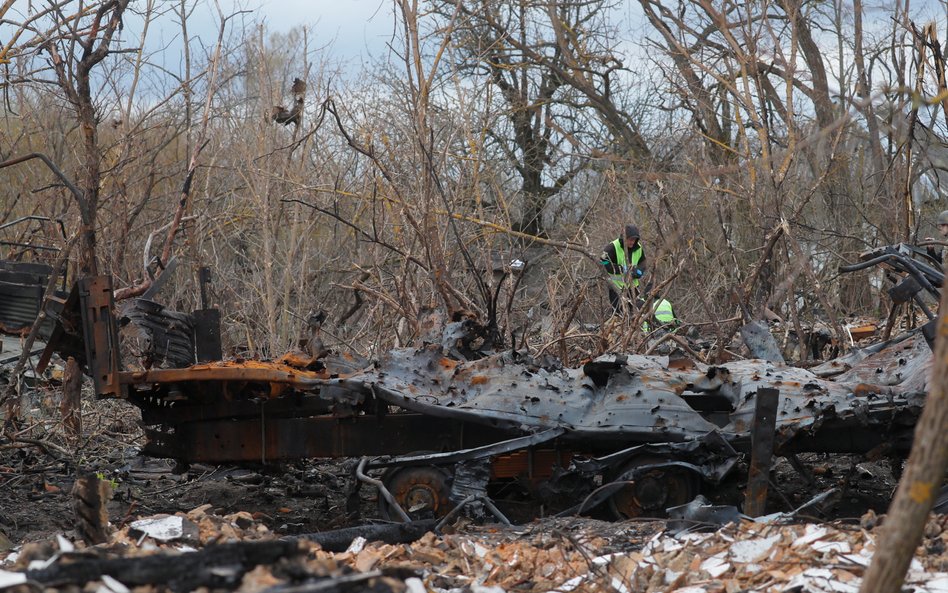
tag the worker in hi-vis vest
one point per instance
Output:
(624, 260)
(663, 314)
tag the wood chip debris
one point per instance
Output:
(553, 555)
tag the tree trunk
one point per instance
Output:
(902, 530)
(70, 407)
(531, 214)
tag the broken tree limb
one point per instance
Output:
(70, 406)
(744, 291)
(924, 473)
(147, 278)
(797, 250)
(214, 566)
(51, 449)
(681, 342)
(185, 193)
(339, 540)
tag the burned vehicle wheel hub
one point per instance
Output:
(652, 491)
(421, 491)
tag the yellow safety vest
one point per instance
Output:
(662, 310)
(635, 256)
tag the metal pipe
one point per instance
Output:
(454, 512)
(382, 489)
(499, 448)
(487, 503)
(18, 244)
(866, 264)
(493, 509)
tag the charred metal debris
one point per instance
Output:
(637, 434)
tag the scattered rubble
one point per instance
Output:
(236, 552)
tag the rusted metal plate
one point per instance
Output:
(101, 336)
(761, 342)
(762, 451)
(266, 439)
(904, 365)
(207, 334)
(861, 332)
(637, 398)
(234, 371)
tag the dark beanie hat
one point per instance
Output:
(632, 231)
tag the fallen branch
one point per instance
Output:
(214, 566)
(391, 533)
(670, 337)
(54, 451)
(143, 286)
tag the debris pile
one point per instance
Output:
(558, 555)
(574, 555)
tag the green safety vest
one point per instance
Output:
(662, 310)
(635, 256)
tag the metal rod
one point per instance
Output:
(918, 301)
(17, 357)
(454, 512)
(382, 489)
(31, 246)
(487, 503)
(491, 450)
(493, 509)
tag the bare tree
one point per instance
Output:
(557, 79)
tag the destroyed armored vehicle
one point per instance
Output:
(653, 431)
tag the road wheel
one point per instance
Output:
(651, 491)
(421, 490)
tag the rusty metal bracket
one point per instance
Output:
(762, 450)
(101, 334)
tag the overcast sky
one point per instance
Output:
(353, 27)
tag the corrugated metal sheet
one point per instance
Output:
(166, 336)
(19, 305)
(22, 285)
